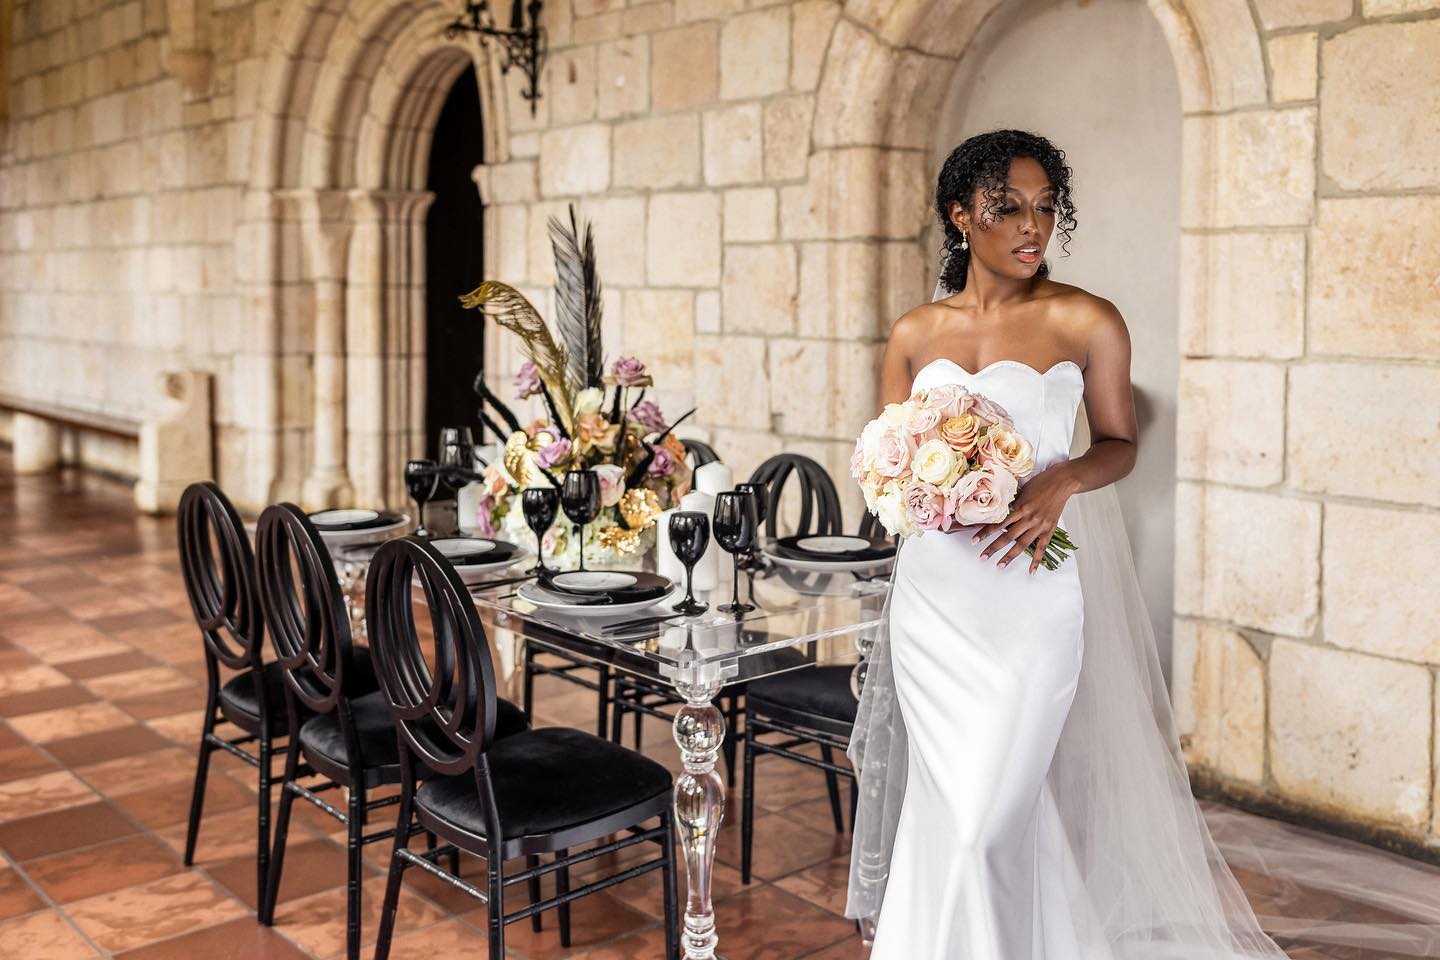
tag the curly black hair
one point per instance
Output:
(983, 163)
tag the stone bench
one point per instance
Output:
(176, 444)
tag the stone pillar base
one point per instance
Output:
(36, 442)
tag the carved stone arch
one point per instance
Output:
(334, 239)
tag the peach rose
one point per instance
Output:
(962, 433)
(981, 496)
(592, 430)
(1005, 448)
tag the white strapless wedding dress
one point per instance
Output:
(986, 663)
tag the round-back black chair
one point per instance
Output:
(819, 502)
(700, 452)
(344, 734)
(534, 793)
(219, 571)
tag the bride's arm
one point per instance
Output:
(1109, 406)
(895, 374)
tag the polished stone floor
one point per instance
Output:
(100, 705)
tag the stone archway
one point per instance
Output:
(1247, 168)
(332, 243)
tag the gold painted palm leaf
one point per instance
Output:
(509, 308)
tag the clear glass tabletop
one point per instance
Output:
(800, 619)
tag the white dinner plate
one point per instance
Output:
(540, 597)
(451, 547)
(830, 566)
(343, 538)
(325, 517)
(592, 581)
(833, 544)
(473, 573)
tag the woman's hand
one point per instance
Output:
(1033, 517)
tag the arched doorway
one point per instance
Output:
(1121, 131)
(454, 251)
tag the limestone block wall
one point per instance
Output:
(237, 186)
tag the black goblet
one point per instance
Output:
(580, 496)
(689, 536)
(421, 476)
(540, 505)
(735, 532)
(761, 493)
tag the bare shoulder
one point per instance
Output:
(1088, 320)
(914, 328)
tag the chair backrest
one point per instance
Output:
(219, 570)
(819, 501)
(444, 706)
(700, 452)
(304, 606)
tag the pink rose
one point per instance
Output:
(949, 400)
(921, 423)
(893, 452)
(987, 409)
(483, 520)
(981, 496)
(857, 460)
(527, 381)
(925, 505)
(663, 462)
(647, 414)
(612, 483)
(629, 372)
(553, 454)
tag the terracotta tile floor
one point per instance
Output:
(100, 700)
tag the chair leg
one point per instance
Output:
(603, 708)
(495, 909)
(527, 695)
(639, 695)
(531, 862)
(197, 797)
(262, 843)
(854, 799)
(354, 848)
(617, 711)
(832, 787)
(562, 887)
(732, 734)
(282, 830)
(672, 891)
(393, 881)
(747, 805)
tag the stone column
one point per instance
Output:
(327, 226)
(36, 443)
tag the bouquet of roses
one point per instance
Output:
(946, 457)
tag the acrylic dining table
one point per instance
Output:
(802, 620)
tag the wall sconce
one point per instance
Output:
(524, 46)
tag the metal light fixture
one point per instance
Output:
(524, 47)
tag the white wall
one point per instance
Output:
(1097, 79)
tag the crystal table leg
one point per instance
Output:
(699, 800)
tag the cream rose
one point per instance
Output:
(962, 433)
(1005, 448)
(933, 461)
(981, 496)
(588, 401)
(890, 509)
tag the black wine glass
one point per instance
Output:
(761, 493)
(689, 536)
(580, 497)
(421, 477)
(735, 532)
(540, 504)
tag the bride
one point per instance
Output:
(1023, 792)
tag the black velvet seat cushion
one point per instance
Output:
(822, 691)
(546, 780)
(376, 731)
(237, 698)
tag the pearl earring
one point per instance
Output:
(964, 241)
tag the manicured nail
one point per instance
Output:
(975, 539)
(1003, 562)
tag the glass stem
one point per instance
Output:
(735, 586)
(582, 546)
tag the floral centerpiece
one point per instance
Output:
(944, 458)
(593, 418)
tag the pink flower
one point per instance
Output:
(629, 372)
(663, 463)
(988, 409)
(893, 452)
(1003, 448)
(982, 496)
(527, 381)
(857, 459)
(553, 454)
(483, 518)
(925, 505)
(612, 483)
(949, 400)
(921, 422)
(647, 414)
